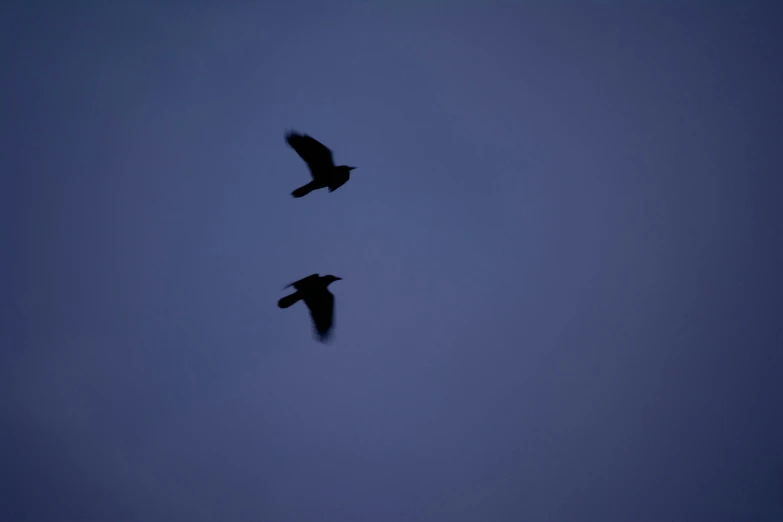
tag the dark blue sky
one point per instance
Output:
(561, 256)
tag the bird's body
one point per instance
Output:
(313, 290)
(319, 160)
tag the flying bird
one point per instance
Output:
(319, 160)
(313, 290)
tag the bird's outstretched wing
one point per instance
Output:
(304, 282)
(313, 152)
(321, 306)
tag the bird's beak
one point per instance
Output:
(337, 278)
(351, 168)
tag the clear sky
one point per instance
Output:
(560, 252)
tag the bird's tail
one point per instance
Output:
(303, 190)
(289, 300)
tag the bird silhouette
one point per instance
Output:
(319, 160)
(313, 290)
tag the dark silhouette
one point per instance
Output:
(313, 289)
(319, 159)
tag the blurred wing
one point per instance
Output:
(313, 152)
(304, 282)
(321, 306)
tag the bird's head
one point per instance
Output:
(329, 279)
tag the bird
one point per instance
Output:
(313, 290)
(319, 160)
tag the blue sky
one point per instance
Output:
(561, 295)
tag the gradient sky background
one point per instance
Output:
(561, 256)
